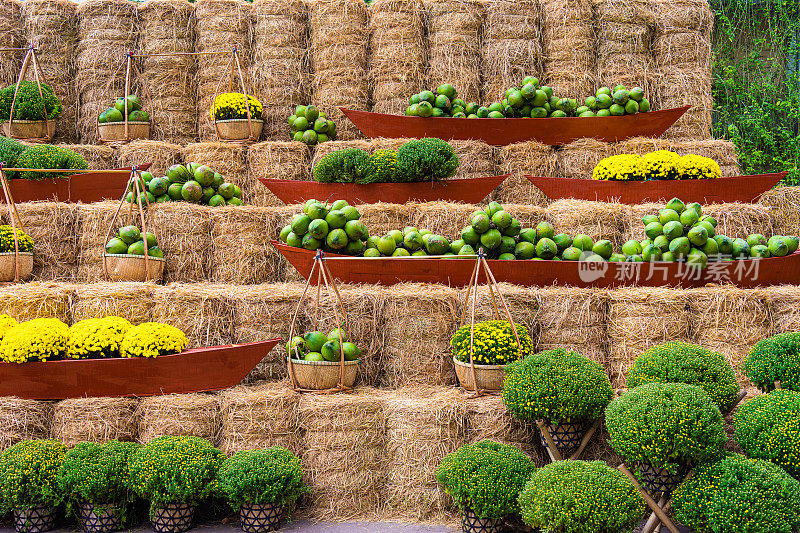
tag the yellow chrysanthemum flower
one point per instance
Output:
(152, 339)
(229, 106)
(696, 167)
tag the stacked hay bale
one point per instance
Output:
(520, 159)
(132, 301)
(201, 310)
(168, 26)
(344, 451)
(455, 49)
(52, 27)
(242, 253)
(740, 220)
(441, 218)
(476, 159)
(279, 67)
(721, 151)
(682, 58)
(93, 222)
(397, 53)
(183, 231)
(642, 145)
(598, 220)
(194, 415)
(487, 418)
(784, 301)
(569, 47)
(633, 227)
(23, 420)
(283, 160)
(35, 300)
(513, 45)
(98, 156)
(382, 217)
(108, 31)
(94, 420)
(220, 25)
(623, 44)
(784, 203)
(578, 158)
(11, 36)
(160, 154)
(339, 48)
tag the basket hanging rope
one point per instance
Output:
(131, 68)
(254, 124)
(49, 125)
(15, 220)
(326, 279)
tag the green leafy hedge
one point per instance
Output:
(768, 427)
(265, 476)
(49, 156)
(29, 474)
(774, 359)
(426, 160)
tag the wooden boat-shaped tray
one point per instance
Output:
(194, 370)
(745, 189)
(468, 191)
(505, 131)
(86, 188)
(456, 272)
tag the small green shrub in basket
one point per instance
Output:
(739, 495)
(768, 427)
(666, 425)
(580, 497)
(556, 385)
(426, 160)
(29, 474)
(29, 105)
(485, 477)
(775, 359)
(493, 343)
(682, 362)
(273, 475)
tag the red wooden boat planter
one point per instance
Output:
(194, 370)
(89, 187)
(505, 131)
(468, 191)
(455, 271)
(745, 189)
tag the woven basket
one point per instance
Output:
(657, 479)
(238, 130)
(257, 518)
(125, 267)
(567, 436)
(323, 375)
(471, 523)
(99, 518)
(30, 129)
(34, 519)
(489, 377)
(172, 517)
(7, 266)
(115, 131)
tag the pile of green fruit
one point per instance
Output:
(442, 103)
(310, 126)
(409, 242)
(333, 228)
(131, 241)
(316, 346)
(493, 230)
(614, 103)
(193, 182)
(117, 112)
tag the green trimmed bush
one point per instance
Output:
(381, 167)
(29, 474)
(486, 477)
(580, 497)
(682, 362)
(49, 156)
(739, 495)
(348, 165)
(775, 359)
(666, 424)
(556, 385)
(29, 105)
(273, 475)
(768, 427)
(426, 160)
(9, 152)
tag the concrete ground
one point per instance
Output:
(306, 526)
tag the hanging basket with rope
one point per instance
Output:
(129, 128)
(32, 129)
(16, 265)
(236, 116)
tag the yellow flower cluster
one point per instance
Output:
(658, 165)
(661, 165)
(36, 340)
(228, 106)
(24, 241)
(152, 339)
(97, 337)
(493, 343)
(624, 167)
(6, 323)
(28, 473)
(696, 167)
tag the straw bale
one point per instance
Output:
(344, 453)
(202, 311)
(740, 220)
(259, 417)
(94, 420)
(194, 415)
(623, 38)
(35, 300)
(275, 126)
(527, 215)
(52, 226)
(183, 230)
(569, 46)
(423, 425)
(487, 418)
(513, 20)
(569, 80)
(390, 106)
(162, 155)
(531, 158)
(93, 222)
(99, 156)
(130, 300)
(382, 217)
(598, 220)
(12, 37)
(630, 70)
(720, 150)
(463, 71)
(640, 317)
(441, 218)
(677, 87)
(168, 20)
(578, 158)
(599, 449)
(476, 159)
(521, 303)
(642, 145)
(783, 204)
(679, 15)
(784, 303)
(614, 11)
(23, 420)
(241, 252)
(279, 160)
(325, 148)
(687, 49)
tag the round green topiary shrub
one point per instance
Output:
(580, 497)
(665, 425)
(381, 167)
(739, 495)
(29, 474)
(682, 362)
(49, 156)
(485, 477)
(29, 105)
(556, 385)
(348, 165)
(426, 160)
(775, 359)
(768, 427)
(273, 475)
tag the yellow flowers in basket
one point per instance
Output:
(230, 106)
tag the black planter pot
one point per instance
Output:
(657, 480)
(100, 518)
(34, 519)
(172, 517)
(259, 518)
(567, 436)
(472, 523)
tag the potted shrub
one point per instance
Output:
(174, 474)
(775, 362)
(93, 481)
(34, 114)
(230, 117)
(29, 483)
(493, 347)
(561, 387)
(579, 497)
(663, 430)
(13, 259)
(262, 485)
(485, 480)
(739, 494)
(682, 362)
(767, 427)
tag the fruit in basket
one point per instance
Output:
(316, 346)
(131, 241)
